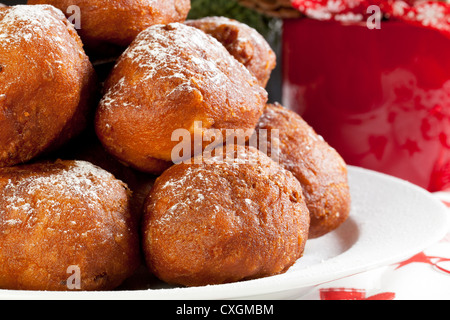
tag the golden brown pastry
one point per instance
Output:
(224, 221)
(57, 218)
(320, 169)
(242, 42)
(119, 22)
(88, 148)
(173, 77)
(47, 83)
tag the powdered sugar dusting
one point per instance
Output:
(196, 185)
(29, 22)
(192, 190)
(156, 55)
(82, 181)
(175, 54)
(154, 52)
(25, 23)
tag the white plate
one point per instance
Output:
(390, 220)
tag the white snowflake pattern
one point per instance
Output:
(354, 3)
(427, 13)
(349, 17)
(319, 14)
(398, 8)
(335, 6)
(430, 15)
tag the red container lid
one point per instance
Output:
(429, 14)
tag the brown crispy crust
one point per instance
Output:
(40, 51)
(164, 82)
(119, 22)
(61, 214)
(214, 223)
(242, 42)
(320, 169)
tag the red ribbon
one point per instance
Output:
(421, 257)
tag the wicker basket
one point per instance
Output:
(273, 8)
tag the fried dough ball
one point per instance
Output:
(119, 22)
(47, 84)
(224, 221)
(63, 216)
(173, 77)
(88, 148)
(320, 169)
(242, 42)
